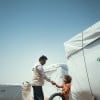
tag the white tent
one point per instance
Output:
(83, 61)
(55, 72)
(25, 92)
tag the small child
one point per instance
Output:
(66, 86)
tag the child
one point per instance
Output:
(66, 86)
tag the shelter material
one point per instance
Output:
(56, 73)
(83, 61)
(25, 91)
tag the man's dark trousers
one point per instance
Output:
(38, 93)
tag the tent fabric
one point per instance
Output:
(89, 35)
(25, 92)
(77, 65)
(56, 73)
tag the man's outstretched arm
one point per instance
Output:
(42, 73)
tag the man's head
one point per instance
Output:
(43, 59)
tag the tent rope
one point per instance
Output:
(86, 66)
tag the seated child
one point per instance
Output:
(66, 86)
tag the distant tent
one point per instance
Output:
(56, 73)
(25, 91)
(83, 61)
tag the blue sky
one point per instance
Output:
(30, 28)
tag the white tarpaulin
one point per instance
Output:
(25, 92)
(75, 44)
(83, 52)
(56, 73)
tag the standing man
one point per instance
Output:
(38, 78)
